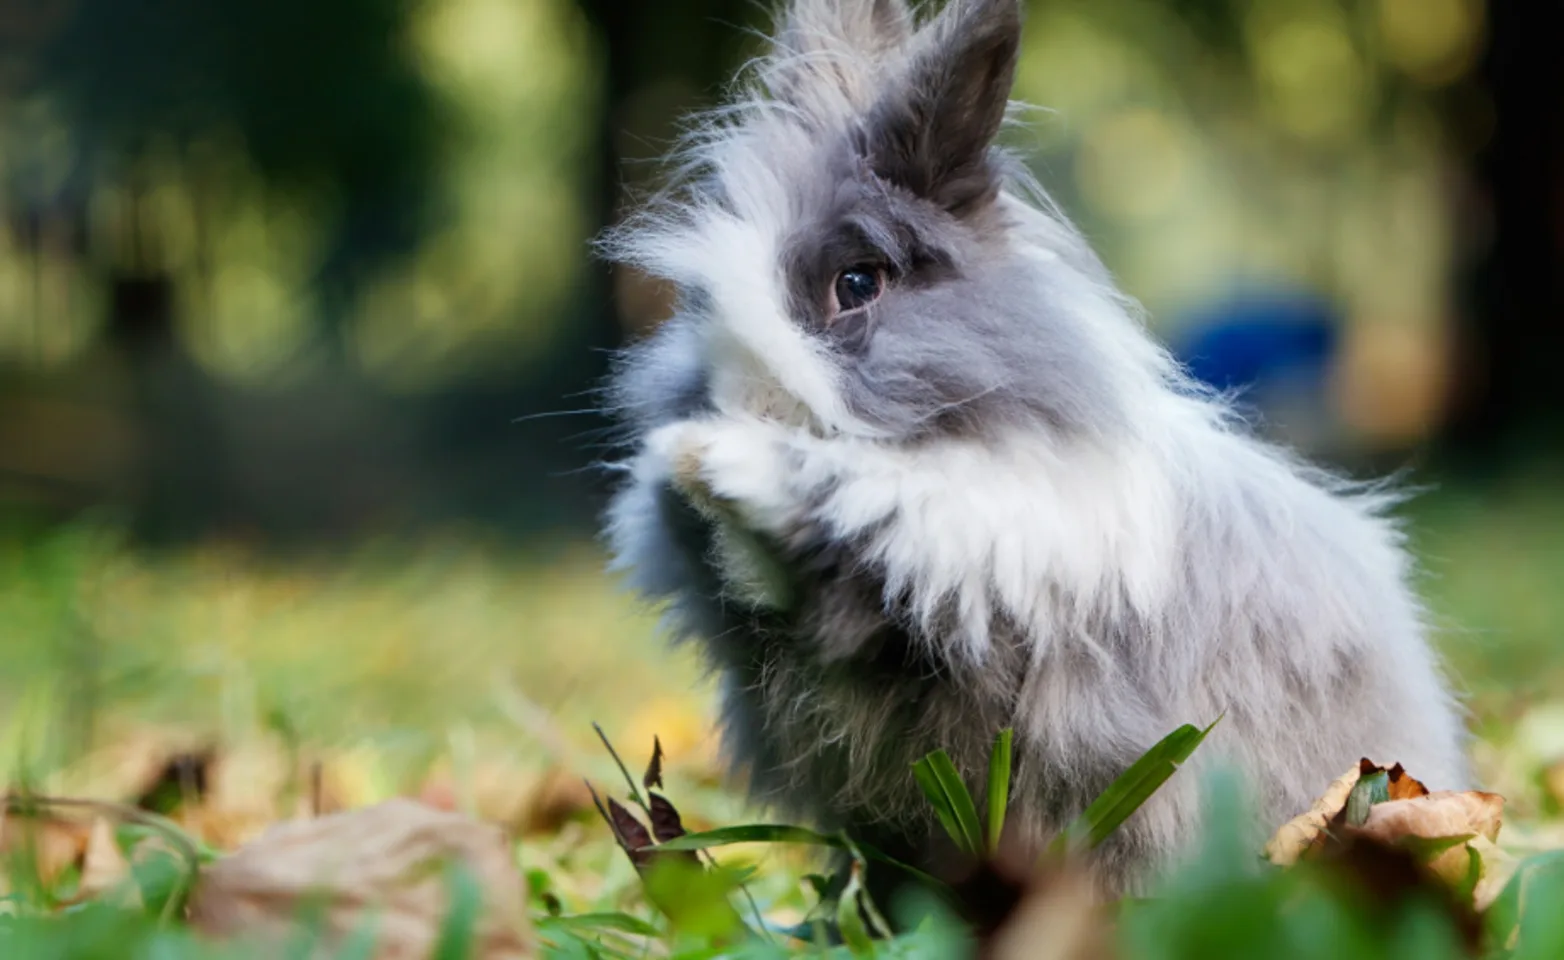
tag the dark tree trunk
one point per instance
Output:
(1514, 338)
(180, 490)
(662, 59)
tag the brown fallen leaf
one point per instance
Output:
(51, 843)
(1297, 835)
(104, 869)
(1498, 866)
(1446, 813)
(1403, 786)
(1438, 816)
(1453, 834)
(1021, 911)
(1306, 833)
(370, 865)
(558, 797)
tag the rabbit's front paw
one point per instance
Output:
(726, 467)
(682, 447)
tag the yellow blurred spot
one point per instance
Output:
(1071, 64)
(1313, 81)
(1392, 381)
(1133, 163)
(255, 327)
(687, 734)
(1432, 41)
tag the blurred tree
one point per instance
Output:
(661, 60)
(325, 100)
(1515, 310)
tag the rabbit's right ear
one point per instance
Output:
(931, 131)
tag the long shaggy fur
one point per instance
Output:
(989, 499)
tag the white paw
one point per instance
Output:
(683, 448)
(728, 467)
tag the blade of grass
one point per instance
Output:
(998, 787)
(1132, 789)
(934, 792)
(969, 833)
(849, 918)
(592, 922)
(776, 833)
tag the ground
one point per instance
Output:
(469, 673)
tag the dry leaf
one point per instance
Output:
(54, 843)
(1471, 819)
(1402, 785)
(1442, 814)
(1437, 816)
(654, 767)
(666, 824)
(555, 799)
(105, 869)
(370, 864)
(1060, 916)
(1498, 867)
(1303, 831)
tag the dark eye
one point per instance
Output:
(858, 286)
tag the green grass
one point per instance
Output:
(485, 665)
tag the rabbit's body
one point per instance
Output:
(984, 497)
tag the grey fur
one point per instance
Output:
(1290, 612)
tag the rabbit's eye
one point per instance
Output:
(858, 286)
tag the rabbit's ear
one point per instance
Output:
(826, 50)
(932, 131)
(828, 26)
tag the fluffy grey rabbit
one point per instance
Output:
(909, 469)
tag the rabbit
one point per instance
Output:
(909, 469)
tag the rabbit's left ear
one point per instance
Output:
(830, 49)
(932, 131)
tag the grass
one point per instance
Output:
(479, 668)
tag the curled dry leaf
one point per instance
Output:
(383, 865)
(1305, 830)
(1402, 785)
(666, 824)
(1457, 830)
(654, 767)
(1435, 816)
(1442, 814)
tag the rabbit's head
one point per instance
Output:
(855, 255)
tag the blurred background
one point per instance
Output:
(298, 325)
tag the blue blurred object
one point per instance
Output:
(1276, 348)
(1252, 340)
